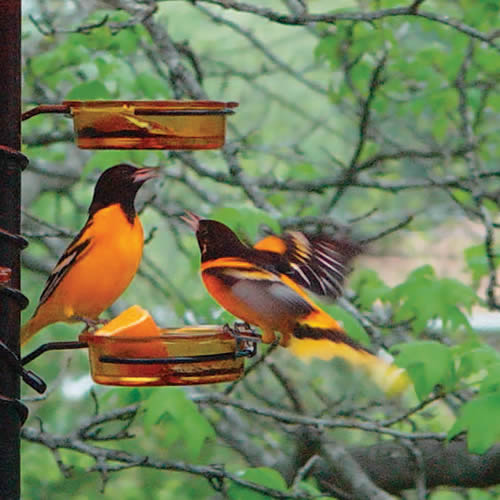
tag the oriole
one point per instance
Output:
(101, 261)
(264, 286)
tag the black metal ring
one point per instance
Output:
(19, 240)
(17, 295)
(21, 161)
(32, 379)
(20, 408)
(14, 159)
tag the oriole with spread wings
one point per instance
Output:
(265, 286)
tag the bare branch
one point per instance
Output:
(333, 18)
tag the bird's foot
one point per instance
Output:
(92, 324)
(268, 337)
(242, 325)
(284, 339)
(242, 331)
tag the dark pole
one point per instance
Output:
(11, 164)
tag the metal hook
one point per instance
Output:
(29, 377)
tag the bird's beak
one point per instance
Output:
(143, 174)
(192, 220)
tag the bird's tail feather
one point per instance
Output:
(29, 329)
(314, 342)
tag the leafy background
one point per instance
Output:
(376, 118)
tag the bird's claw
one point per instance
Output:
(91, 325)
(242, 331)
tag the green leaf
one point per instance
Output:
(477, 261)
(351, 325)
(424, 297)
(152, 87)
(446, 495)
(126, 41)
(491, 383)
(304, 171)
(190, 424)
(474, 357)
(327, 48)
(101, 38)
(480, 418)
(155, 409)
(264, 476)
(368, 287)
(476, 494)
(45, 60)
(428, 363)
(89, 91)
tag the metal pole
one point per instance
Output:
(10, 194)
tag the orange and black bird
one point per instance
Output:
(265, 286)
(101, 261)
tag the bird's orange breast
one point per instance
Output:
(106, 268)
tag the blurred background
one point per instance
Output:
(375, 119)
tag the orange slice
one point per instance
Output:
(124, 332)
(134, 322)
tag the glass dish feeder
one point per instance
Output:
(205, 354)
(178, 356)
(150, 124)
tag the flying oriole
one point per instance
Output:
(264, 286)
(101, 261)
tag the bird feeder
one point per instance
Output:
(178, 356)
(174, 124)
(131, 350)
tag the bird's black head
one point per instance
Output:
(119, 185)
(215, 239)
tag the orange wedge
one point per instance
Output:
(134, 322)
(122, 338)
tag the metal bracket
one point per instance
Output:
(52, 346)
(31, 378)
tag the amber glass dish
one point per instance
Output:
(178, 356)
(150, 124)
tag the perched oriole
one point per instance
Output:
(101, 261)
(264, 286)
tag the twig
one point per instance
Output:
(372, 16)
(293, 418)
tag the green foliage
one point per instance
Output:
(428, 364)
(259, 475)
(424, 297)
(349, 323)
(474, 357)
(368, 287)
(480, 435)
(298, 124)
(180, 420)
(477, 262)
(93, 89)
